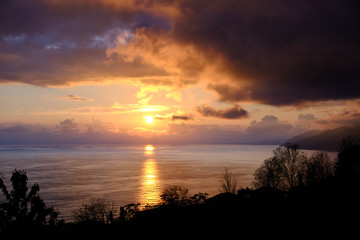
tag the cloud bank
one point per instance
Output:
(271, 52)
(268, 130)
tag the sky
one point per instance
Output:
(235, 71)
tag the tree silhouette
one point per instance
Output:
(23, 206)
(348, 162)
(284, 170)
(228, 183)
(319, 168)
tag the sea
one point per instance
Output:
(70, 176)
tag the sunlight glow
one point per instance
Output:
(149, 150)
(149, 119)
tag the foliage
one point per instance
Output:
(228, 183)
(198, 198)
(128, 211)
(318, 168)
(178, 195)
(23, 206)
(98, 210)
(175, 194)
(348, 161)
(285, 170)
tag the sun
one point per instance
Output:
(149, 119)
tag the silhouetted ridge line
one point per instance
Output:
(328, 140)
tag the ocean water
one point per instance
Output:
(71, 175)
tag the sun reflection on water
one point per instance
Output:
(149, 150)
(150, 188)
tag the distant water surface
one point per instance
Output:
(70, 176)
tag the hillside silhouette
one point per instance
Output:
(327, 140)
(295, 196)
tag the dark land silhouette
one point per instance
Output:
(327, 140)
(294, 197)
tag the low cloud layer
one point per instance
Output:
(235, 112)
(69, 131)
(278, 53)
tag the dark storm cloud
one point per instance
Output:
(235, 112)
(278, 52)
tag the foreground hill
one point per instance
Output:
(324, 140)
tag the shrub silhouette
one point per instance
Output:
(128, 212)
(22, 206)
(178, 195)
(175, 194)
(97, 210)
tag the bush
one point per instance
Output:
(175, 194)
(98, 210)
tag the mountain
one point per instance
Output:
(328, 140)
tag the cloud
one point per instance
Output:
(68, 126)
(57, 43)
(15, 129)
(73, 97)
(278, 53)
(69, 131)
(306, 117)
(181, 117)
(271, 126)
(235, 112)
(275, 53)
(175, 117)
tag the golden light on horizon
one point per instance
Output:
(149, 119)
(149, 149)
(150, 188)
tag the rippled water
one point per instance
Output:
(70, 176)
